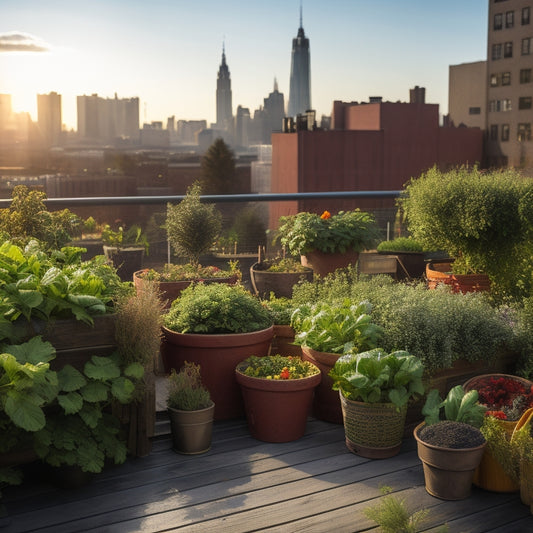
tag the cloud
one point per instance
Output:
(16, 41)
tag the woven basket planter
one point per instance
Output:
(373, 430)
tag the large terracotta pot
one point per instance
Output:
(191, 430)
(373, 430)
(326, 403)
(217, 355)
(323, 263)
(440, 274)
(280, 283)
(448, 472)
(276, 410)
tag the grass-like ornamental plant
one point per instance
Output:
(277, 367)
(335, 328)
(346, 230)
(185, 389)
(192, 226)
(400, 244)
(379, 377)
(189, 272)
(217, 308)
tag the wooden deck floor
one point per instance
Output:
(314, 485)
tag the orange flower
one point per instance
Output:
(284, 373)
(325, 215)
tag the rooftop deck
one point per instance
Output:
(313, 484)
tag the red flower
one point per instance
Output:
(496, 414)
(325, 215)
(284, 374)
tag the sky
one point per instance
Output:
(167, 52)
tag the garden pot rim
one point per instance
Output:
(372, 404)
(443, 448)
(255, 268)
(211, 406)
(138, 275)
(279, 385)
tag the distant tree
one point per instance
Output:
(218, 169)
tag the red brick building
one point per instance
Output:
(371, 146)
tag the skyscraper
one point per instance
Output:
(224, 105)
(49, 118)
(300, 83)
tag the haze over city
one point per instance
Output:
(167, 53)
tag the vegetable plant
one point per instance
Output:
(378, 377)
(458, 406)
(335, 328)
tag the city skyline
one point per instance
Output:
(168, 53)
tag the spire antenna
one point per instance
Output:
(301, 14)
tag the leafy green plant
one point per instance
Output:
(185, 389)
(335, 328)
(458, 406)
(379, 377)
(284, 264)
(216, 308)
(347, 230)
(277, 367)
(400, 244)
(482, 219)
(280, 309)
(121, 238)
(28, 218)
(192, 226)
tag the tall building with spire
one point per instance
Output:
(224, 104)
(300, 83)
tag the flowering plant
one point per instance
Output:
(277, 367)
(347, 230)
(505, 397)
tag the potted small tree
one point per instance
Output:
(190, 409)
(326, 242)
(277, 392)
(374, 388)
(325, 331)
(216, 326)
(449, 442)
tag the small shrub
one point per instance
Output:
(186, 391)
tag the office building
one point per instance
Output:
(300, 81)
(224, 99)
(49, 118)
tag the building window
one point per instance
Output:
(496, 51)
(509, 19)
(474, 111)
(506, 104)
(494, 80)
(525, 75)
(505, 132)
(506, 78)
(494, 132)
(498, 21)
(524, 102)
(526, 13)
(524, 131)
(526, 46)
(508, 49)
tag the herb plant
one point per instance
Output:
(277, 367)
(378, 377)
(216, 308)
(335, 328)
(125, 238)
(400, 244)
(185, 389)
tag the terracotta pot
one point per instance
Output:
(373, 430)
(326, 402)
(191, 430)
(282, 342)
(217, 355)
(323, 263)
(448, 472)
(170, 290)
(280, 283)
(440, 274)
(276, 410)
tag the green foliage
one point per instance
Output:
(277, 367)
(524, 329)
(185, 389)
(216, 308)
(192, 226)
(458, 406)
(133, 237)
(483, 219)
(218, 169)
(378, 377)
(36, 284)
(400, 244)
(249, 230)
(392, 515)
(280, 309)
(285, 264)
(335, 328)
(438, 326)
(347, 230)
(188, 272)
(28, 218)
